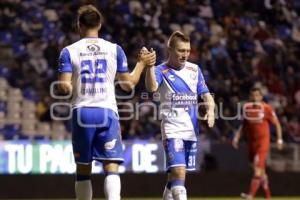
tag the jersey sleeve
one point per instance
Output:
(158, 76)
(201, 86)
(122, 65)
(271, 115)
(65, 64)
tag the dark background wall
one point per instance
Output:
(145, 185)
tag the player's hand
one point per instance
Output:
(279, 144)
(210, 117)
(148, 58)
(235, 143)
(143, 52)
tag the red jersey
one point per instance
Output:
(257, 117)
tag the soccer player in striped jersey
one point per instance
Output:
(87, 70)
(179, 84)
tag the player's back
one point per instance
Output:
(94, 64)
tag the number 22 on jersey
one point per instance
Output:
(93, 71)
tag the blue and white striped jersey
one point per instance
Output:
(179, 90)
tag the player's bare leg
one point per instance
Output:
(112, 183)
(83, 185)
(176, 180)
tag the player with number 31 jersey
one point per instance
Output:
(179, 83)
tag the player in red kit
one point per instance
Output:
(257, 117)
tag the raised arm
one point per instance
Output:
(150, 80)
(129, 80)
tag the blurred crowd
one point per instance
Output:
(237, 44)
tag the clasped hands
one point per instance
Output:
(148, 58)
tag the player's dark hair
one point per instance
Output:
(177, 36)
(89, 16)
(255, 89)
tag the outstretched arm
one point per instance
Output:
(150, 80)
(129, 80)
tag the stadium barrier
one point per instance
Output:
(43, 169)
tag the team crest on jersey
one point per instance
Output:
(193, 76)
(93, 48)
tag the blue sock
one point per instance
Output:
(176, 182)
(111, 173)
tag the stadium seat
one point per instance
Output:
(13, 118)
(28, 115)
(58, 131)
(28, 105)
(43, 129)
(3, 84)
(188, 28)
(29, 128)
(13, 106)
(2, 107)
(2, 124)
(15, 94)
(11, 131)
(3, 95)
(175, 27)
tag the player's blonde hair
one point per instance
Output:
(177, 36)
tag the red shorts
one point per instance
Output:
(258, 158)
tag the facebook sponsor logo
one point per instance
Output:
(184, 99)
